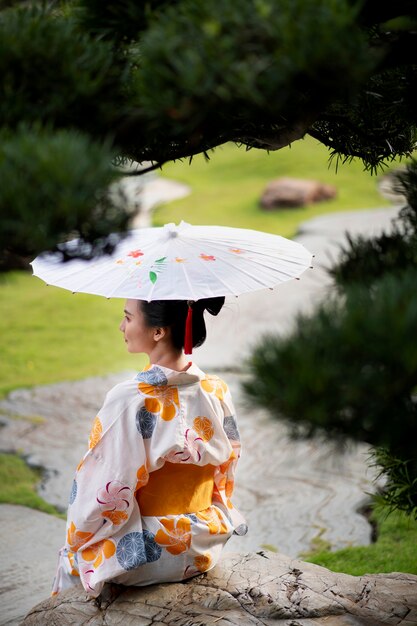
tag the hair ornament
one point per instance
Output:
(188, 339)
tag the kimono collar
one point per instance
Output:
(159, 375)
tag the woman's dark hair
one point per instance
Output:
(173, 313)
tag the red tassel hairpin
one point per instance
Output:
(188, 340)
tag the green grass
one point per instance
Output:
(50, 335)
(226, 190)
(394, 551)
(18, 485)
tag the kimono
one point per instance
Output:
(150, 501)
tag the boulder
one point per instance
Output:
(295, 192)
(389, 186)
(255, 589)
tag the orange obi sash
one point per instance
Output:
(177, 488)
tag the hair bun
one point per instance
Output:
(212, 305)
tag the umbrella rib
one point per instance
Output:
(187, 278)
(120, 284)
(254, 248)
(210, 269)
(244, 271)
(254, 277)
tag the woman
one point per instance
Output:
(150, 501)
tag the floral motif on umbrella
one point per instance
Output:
(130, 551)
(135, 253)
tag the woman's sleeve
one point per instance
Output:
(224, 478)
(103, 491)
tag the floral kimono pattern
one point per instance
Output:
(159, 416)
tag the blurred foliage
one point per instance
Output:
(166, 79)
(52, 73)
(70, 172)
(350, 369)
(120, 21)
(383, 112)
(250, 73)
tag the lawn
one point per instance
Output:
(226, 189)
(394, 550)
(50, 335)
(18, 485)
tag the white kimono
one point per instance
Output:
(161, 416)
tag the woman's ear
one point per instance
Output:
(159, 333)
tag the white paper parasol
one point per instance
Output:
(181, 262)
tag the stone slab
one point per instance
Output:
(29, 541)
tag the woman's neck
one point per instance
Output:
(171, 359)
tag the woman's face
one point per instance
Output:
(138, 336)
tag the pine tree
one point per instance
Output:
(89, 84)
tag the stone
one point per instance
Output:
(255, 589)
(295, 192)
(29, 544)
(390, 188)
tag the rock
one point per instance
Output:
(29, 543)
(295, 192)
(252, 589)
(390, 188)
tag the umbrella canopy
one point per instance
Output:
(181, 262)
